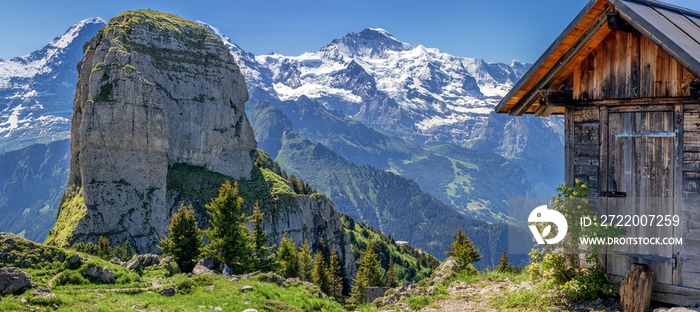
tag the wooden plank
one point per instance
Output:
(647, 54)
(678, 179)
(569, 146)
(661, 75)
(622, 65)
(634, 66)
(599, 71)
(687, 77)
(691, 120)
(603, 150)
(577, 82)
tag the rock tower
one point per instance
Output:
(154, 90)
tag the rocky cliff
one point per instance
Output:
(153, 90)
(159, 120)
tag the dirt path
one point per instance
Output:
(53, 278)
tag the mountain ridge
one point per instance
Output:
(35, 89)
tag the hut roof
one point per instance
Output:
(674, 29)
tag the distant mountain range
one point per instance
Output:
(364, 99)
(420, 94)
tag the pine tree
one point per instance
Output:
(104, 249)
(305, 262)
(463, 250)
(320, 273)
(287, 260)
(391, 280)
(229, 235)
(358, 295)
(184, 240)
(372, 266)
(335, 277)
(295, 184)
(261, 253)
(368, 274)
(503, 266)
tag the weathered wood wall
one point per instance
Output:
(626, 66)
(584, 146)
(689, 264)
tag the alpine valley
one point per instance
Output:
(399, 137)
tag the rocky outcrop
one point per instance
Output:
(101, 274)
(13, 280)
(138, 262)
(444, 272)
(315, 218)
(153, 90)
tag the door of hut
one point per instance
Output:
(641, 146)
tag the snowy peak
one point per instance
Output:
(36, 90)
(74, 31)
(65, 48)
(370, 42)
(217, 32)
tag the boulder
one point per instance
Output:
(246, 288)
(445, 271)
(104, 275)
(76, 260)
(142, 261)
(169, 264)
(167, 292)
(13, 280)
(199, 270)
(209, 263)
(373, 293)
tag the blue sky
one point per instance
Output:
(495, 30)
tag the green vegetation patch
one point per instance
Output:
(409, 264)
(71, 210)
(199, 185)
(125, 22)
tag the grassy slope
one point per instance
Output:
(410, 264)
(133, 291)
(199, 186)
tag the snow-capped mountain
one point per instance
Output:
(418, 93)
(36, 90)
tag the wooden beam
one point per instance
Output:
(556, 98)
(569, 146)
(592, 36)
(544, 110)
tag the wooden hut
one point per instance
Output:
(624, 74)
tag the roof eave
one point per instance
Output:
(501, 105)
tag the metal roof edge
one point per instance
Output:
(658, 37)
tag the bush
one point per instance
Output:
(70, 278)
(185, 287)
